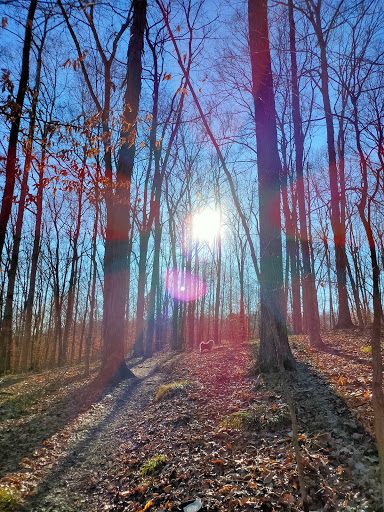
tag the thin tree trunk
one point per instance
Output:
(356, 296)
(74, 329)
(138, 349)
(35, 257)
(88, 341)
(74, 268)
(309, 284)
(344, 318)
(328, 263)
(377, 363)
(10, 167)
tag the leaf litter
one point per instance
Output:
(66, 444)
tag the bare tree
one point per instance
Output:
(17, 107)
(272, 320)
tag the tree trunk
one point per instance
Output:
(118, 211)
(273, 330)
(25, 356)
(74, 268)
(356, 296)
(309, 284)
(88, 341)
(338, 227)
(10, 167)
(138, 349)
(242, 333)
(216, 336)
(377, 364)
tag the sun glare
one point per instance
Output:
(206, 225)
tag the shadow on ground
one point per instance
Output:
(325, 417)
(28, 429)
(121, 395)
(10, 382)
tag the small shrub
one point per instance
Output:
(154, 465)
(170, 390)
(9, 500)
(280, 419)
(241, 420)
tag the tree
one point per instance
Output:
(118, 209)
(6, 325)
(309, 283)
(314, 13)
(276, 323)
(17, 107)
(273, 330)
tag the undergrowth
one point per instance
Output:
(153, 466)
(169, 390)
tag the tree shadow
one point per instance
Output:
(19, 405)
(122, 394)
(328, 349)
(20, 440)
(334, 430)
(7, 382)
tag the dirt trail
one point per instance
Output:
(94, 463)
(67, 476)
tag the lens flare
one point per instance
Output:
(184, 285)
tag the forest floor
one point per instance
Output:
(224, 436)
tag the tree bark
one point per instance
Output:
(273, 330)
(118, 211)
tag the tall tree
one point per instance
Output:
(278, 319)
(309, 283)
(17, 107)
(118, 209)
(6, 325)
(273, 330)
(63, 355)
(314, 12)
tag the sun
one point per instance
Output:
(206, 225)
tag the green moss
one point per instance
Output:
(368, 349)
(154, 465)
(9, 500)
(169, 390)
(241, 420)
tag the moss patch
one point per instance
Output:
(172, 389)
(280, 419)
(153, 466)
(241, 420)
(9, 500)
